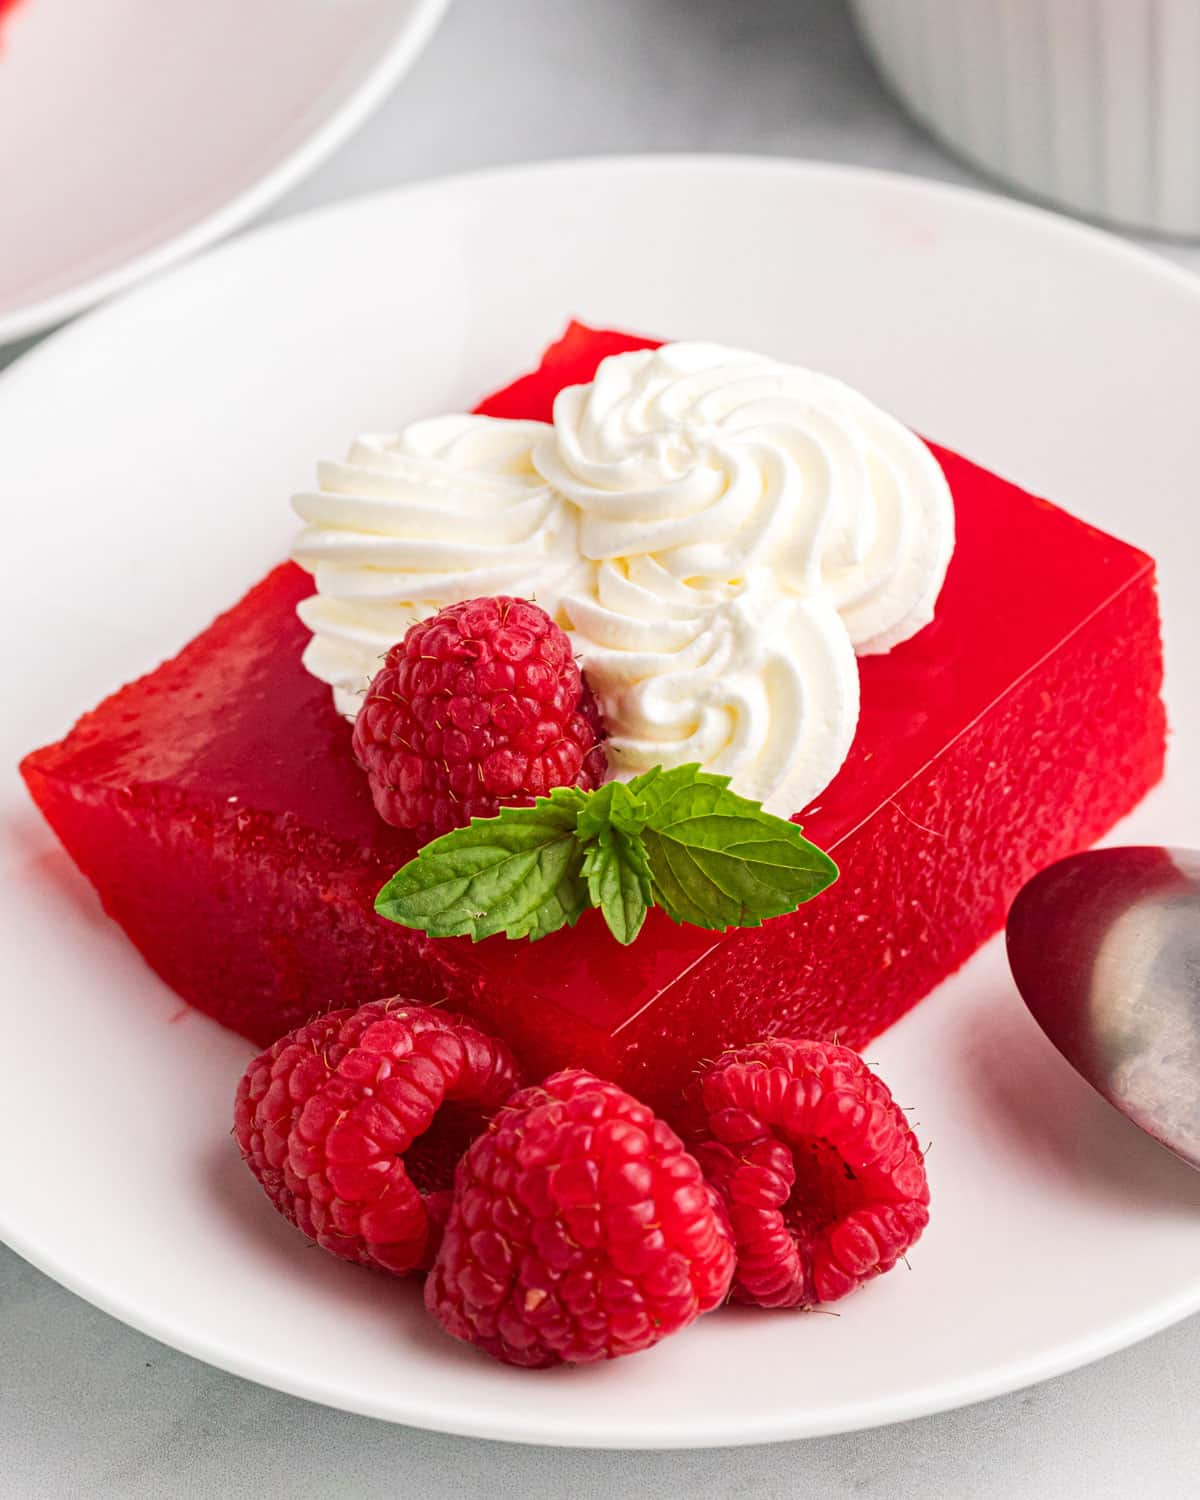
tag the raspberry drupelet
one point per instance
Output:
(822, 1177)
(353, 1123)
(483, 704)
(580, 1230)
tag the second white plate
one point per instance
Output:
(149, 453)
(139, 131)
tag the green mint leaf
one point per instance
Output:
(520, 873)
(716, 859)
(613, 805)
(618, 880)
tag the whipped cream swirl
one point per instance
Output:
(755, 684)
(449, 509)
(720, 463)
(720, 532)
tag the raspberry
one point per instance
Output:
(823, 1180)
(480, 705)
(354, 1121)
(580, 1229)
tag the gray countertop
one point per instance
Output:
(90, 1408)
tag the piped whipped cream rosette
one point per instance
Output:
(750, 682)
(720, 532)
(722, 463)
(449, 509)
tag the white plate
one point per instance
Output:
(145, 130)
(149, 453)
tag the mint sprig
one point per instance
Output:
(616, 867)
(677, 839)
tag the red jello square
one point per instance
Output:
(217, 809)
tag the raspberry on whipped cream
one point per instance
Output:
(720, 532)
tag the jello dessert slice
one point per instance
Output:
(216, 807)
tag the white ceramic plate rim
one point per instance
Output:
(1094, 237)
(926, 1401)
(413, 31)
(415, 1408)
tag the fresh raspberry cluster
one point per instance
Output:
(481, 705)
(823, 1179)
(579, 1227)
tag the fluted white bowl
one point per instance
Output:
(1093, 104)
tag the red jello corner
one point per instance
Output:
(215, 806)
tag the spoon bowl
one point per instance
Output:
(1105, 949)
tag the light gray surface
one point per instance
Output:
(91, 1408)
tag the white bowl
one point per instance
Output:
(1093, 104)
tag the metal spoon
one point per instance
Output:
(1105, 949)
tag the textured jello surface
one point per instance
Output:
(216, 807)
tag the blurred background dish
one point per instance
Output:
(1091, 104)
(137, 132)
